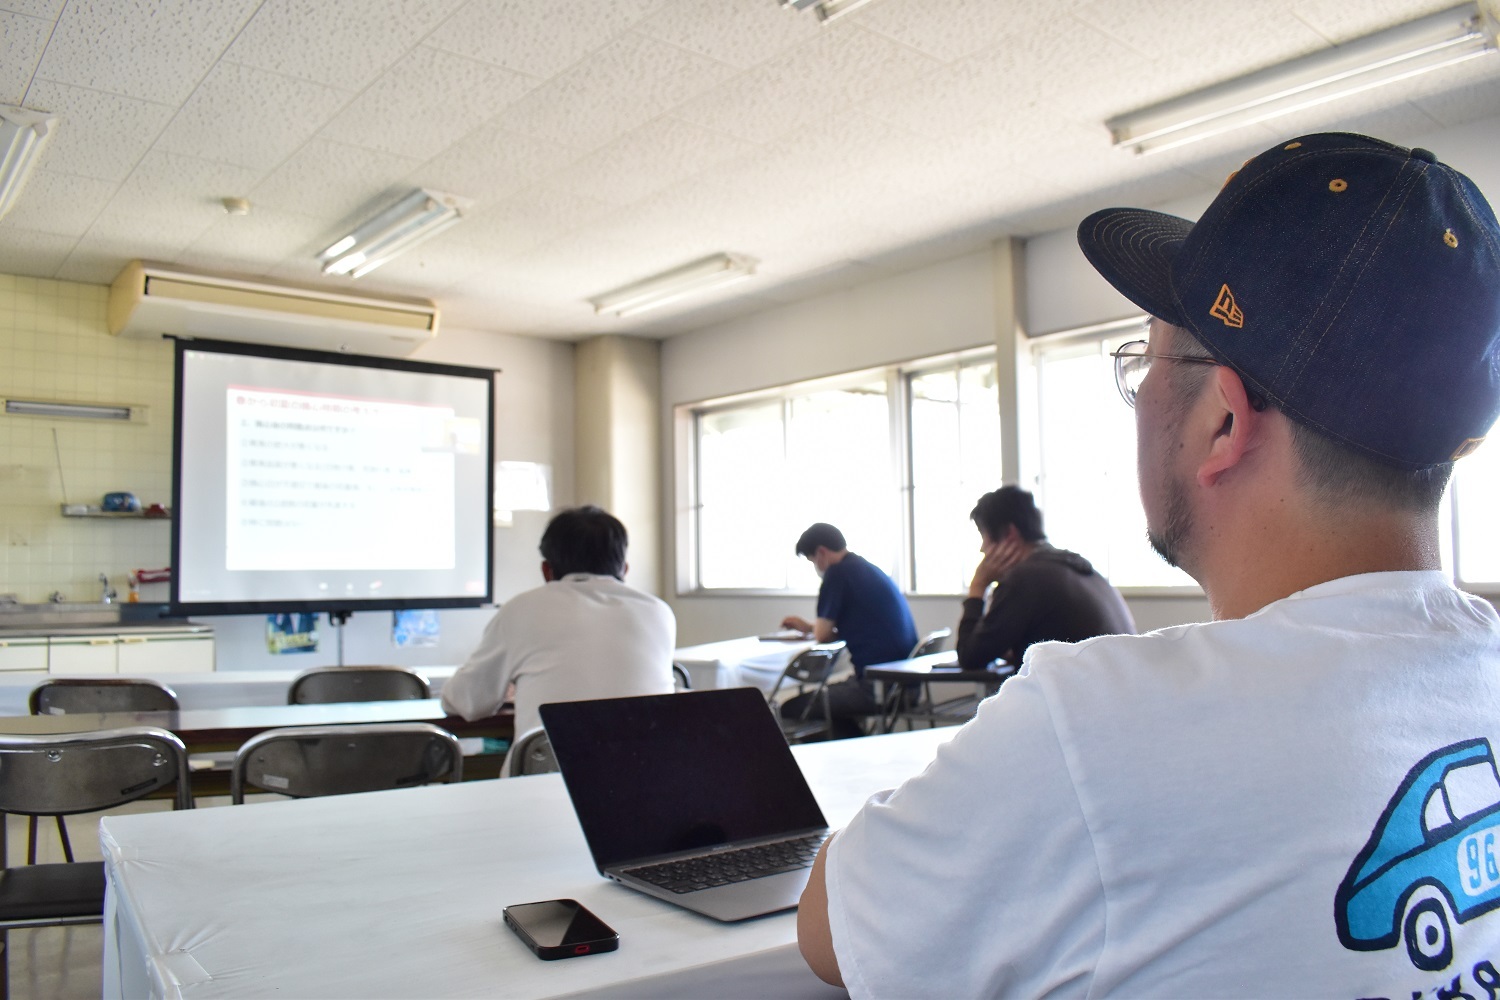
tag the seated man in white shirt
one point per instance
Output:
(583, 634)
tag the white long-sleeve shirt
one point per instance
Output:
(584, 636)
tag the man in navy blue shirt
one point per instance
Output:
(862, 606)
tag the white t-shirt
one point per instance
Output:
(1270, 806)
(584, 636)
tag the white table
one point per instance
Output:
(399, 894)
(738, 662)
(220, 689)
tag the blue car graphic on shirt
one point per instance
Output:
(1433, 859)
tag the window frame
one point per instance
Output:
(896, 377)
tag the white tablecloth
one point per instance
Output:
(220, 689)
(399, 894)
(738, 662)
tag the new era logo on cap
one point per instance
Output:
(1226, 309)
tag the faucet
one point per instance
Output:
(109, 593)
(57, 597)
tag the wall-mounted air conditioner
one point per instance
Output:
(148, 300)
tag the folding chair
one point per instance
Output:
(680, 678)
(325, 685)
(67, 775)
(308, 761)
(531, 754)
(809, 671)
(92, 696)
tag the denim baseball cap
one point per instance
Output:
(1353, 283)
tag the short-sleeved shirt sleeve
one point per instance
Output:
(984, 853)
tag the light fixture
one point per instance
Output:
(416, 217)
(827, 9)
(43, 408)
(23, 136)
(669, 286)
(1398, 53)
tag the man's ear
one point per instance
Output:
(1012, 534)
(547, 571)
(1239, 426)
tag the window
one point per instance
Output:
(954, 446)
(769, 467)
(1086, 483)
(894, 458)
(1476, 532)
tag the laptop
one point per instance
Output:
(692, 797)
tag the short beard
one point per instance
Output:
(1176, 529)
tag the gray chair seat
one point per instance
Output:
(48, 892)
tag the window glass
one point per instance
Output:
(1087, 487)
(768, 469)
(954, 431)
(1476, 497)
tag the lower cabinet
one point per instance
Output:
(128, 654)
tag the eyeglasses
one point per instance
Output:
(1133, 360)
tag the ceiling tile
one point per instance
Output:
(491, 163)
(250, 117)
(831, 72)
(37, 255)
(961, 28)
(1238, 39)
(156, 53)
(532, 216)
(621, 86)
(48, 9)
(339, 43)
(1340, 21)
(654, 156)
(740, 33)
(100, 135)
(63, 204)
(169, 200)
(248, 244)
(538, 39)
(425, 103)
(97, 259)
(22, 40)
(1460, 93)
(331, 180)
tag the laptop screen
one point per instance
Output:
(665, 773)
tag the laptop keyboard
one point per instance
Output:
(724, 867)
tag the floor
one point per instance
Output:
(64, 963)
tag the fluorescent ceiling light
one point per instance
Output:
(23, 136)
(1399, 53)
(690, 279)
(827, 9)
(42, 408)
(417, 217)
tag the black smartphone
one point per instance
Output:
(560, 928)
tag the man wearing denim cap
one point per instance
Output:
(1298, 798)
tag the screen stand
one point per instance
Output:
(338, 619)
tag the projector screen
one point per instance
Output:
(306, 481)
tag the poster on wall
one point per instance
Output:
(291, 633)
(415, 628)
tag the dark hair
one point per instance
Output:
(1334, 474)
(822, 534)
(1009, 505)
(585, 539)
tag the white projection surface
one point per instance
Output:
(333, 483)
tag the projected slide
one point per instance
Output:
(300, 464)
(337, 483)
